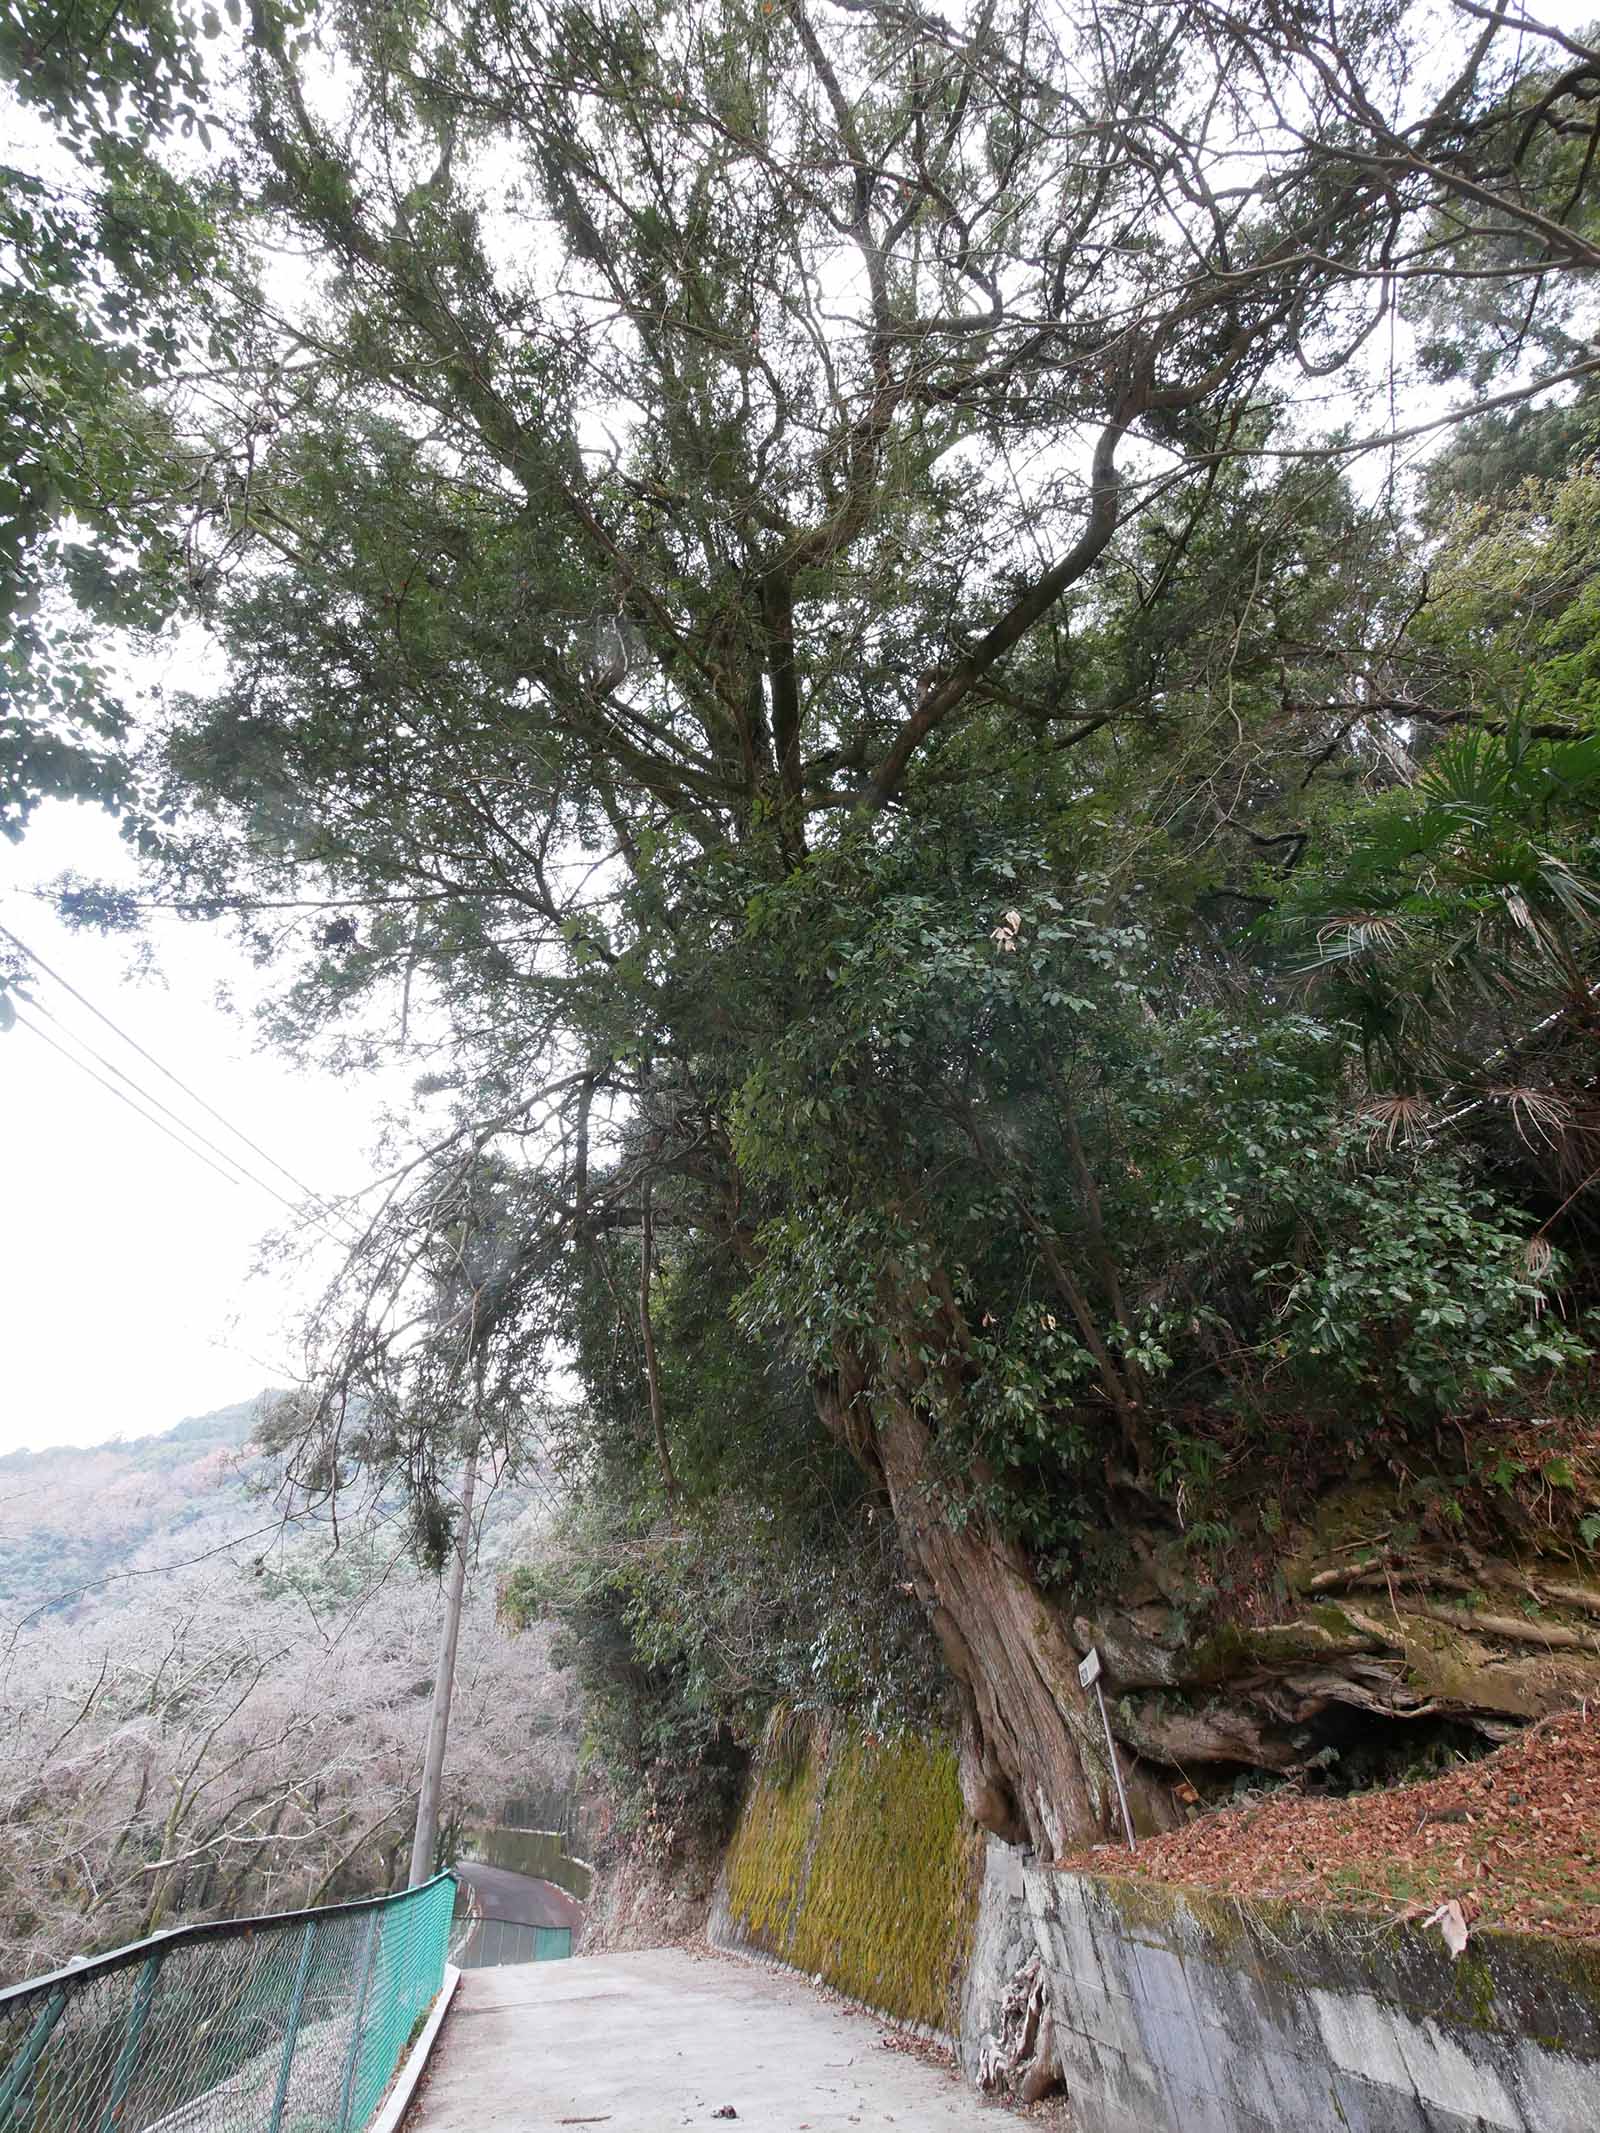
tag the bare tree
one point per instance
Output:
(216, 1751)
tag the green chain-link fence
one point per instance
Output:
(289, 2024)
(494, 1942)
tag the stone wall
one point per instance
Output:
(854, 1862)
(1161, 2010)
(1188, 2012)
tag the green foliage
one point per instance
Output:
(98, 307)
(1276, 1257)
(670, 1766)
(683, 1639)
(1453, 922)
(1462, 910)
(798, 682)
(1418, 1297)
(1515, 602)
(774, 1579)
(137, 69)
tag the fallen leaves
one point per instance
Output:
(1512, 1839)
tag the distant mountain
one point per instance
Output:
(73, 1517)
(81, 1528)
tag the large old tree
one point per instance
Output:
(796, 578)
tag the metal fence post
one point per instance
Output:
(28, 2058)
(308, 1942)
(352, 2057)
(128, 2057)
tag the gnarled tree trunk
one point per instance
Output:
(1034, 1764)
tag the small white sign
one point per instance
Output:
(1089, 1669)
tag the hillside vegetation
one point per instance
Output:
(82, 1529)
(75, 1522)
(206, 1712)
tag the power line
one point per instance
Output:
(123, 1097)
(237, 1175)
(194, 1095)
(150, 1097)
(233, 1176)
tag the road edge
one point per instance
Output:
(398, 2100)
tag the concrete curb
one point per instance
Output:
(398, 2100)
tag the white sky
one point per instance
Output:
(126, 1300)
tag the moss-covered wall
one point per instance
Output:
(853, 1860)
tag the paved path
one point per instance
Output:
(643, 2043)
(518, 1898)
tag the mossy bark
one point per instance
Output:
(1466, 1635)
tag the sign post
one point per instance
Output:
(1089, 1677)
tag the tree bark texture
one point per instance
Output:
(1034, 1763)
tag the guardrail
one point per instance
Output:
(293, 2023)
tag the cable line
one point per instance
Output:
(245, 1175)
(178, 1082)
(317, 1200)
(238, 1175)
(123, 1097)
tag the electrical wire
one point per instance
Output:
(238, 1175)
(165, 1109)
(176, 1080)
(316, 1199)
(122, 1097)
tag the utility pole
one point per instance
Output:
(444, 1678)
(476, 1254)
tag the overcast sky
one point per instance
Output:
(126, 1300)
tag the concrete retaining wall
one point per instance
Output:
(539, 1853)
(1188, 2012)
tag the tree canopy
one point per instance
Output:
(837, 603)
(110, 284)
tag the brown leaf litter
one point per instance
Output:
(1514, 1838)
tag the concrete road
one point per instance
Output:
(518, 1898)
(643, 2043)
